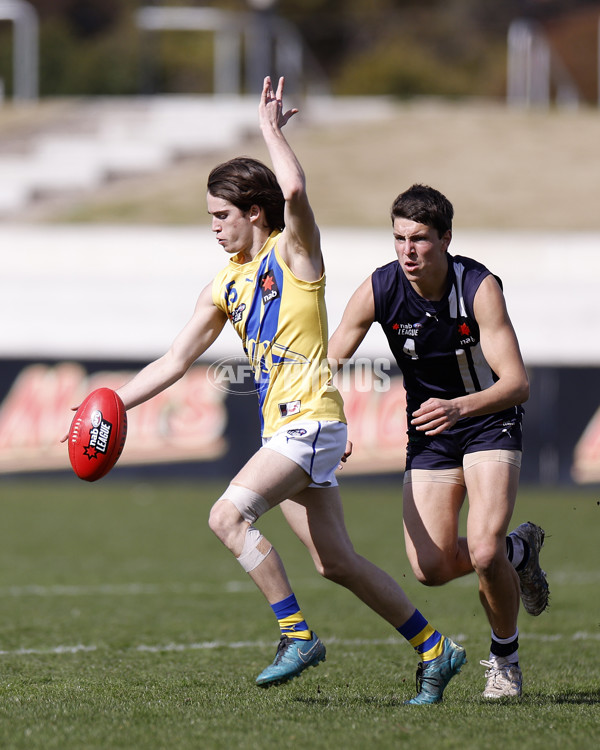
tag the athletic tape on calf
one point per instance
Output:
(251, 557)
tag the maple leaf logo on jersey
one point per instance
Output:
(466, 338)
(268, 286)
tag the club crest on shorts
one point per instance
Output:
(268, 286)
(292, 407)
(296, 432)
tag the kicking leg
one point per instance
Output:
(262, 483)
(265, 480)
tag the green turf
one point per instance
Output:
(124, 624)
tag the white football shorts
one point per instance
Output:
(316, 447)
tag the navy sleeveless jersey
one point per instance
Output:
(436, 344)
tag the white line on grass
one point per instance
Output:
(211, 645)
(44, 651)
(127, 589)
(556, 578)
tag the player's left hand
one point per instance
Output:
(435, 415)
(65, 437)
(346, 455)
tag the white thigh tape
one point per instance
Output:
(250, 504)
(251, 557)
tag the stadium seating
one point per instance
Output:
(115, 137)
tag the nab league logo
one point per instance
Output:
(465, 333)
(99, 436)
(268, 287)
(407, 329)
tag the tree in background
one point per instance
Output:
(424, 47)
(397, 47)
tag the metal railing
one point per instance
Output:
(535, 73)
(269, 45)
(25, 47)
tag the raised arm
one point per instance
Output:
(300, 244)
(198, 334)
(358, 317)
(501, 350)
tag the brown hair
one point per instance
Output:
(425, 205)
(247, 182)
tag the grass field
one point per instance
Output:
(124, 624)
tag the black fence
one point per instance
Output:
(206, 425)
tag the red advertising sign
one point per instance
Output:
(586, 457)
(377, 428)
(184, 423)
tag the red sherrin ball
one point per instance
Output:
(97, 434)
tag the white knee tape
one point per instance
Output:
(251, 557)
(250, 504)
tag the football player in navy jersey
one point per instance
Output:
(446, 322)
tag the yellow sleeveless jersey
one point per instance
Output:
(282, 322)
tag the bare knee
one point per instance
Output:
(227, 525)
(485, 556)
(433, 570)
(339, 569)
(217, 520)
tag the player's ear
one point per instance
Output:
(255, 212)
(447, 238)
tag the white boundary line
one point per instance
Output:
(211, 645)
(128, 589)
(558, 578)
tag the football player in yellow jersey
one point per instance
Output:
(263, 220)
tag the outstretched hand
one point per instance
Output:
(65, 437)
(271, 104)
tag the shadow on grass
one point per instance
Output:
(364, 700)
(590, 697)
(575, 698)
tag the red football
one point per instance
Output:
(97, 434)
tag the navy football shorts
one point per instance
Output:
(500, 431)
